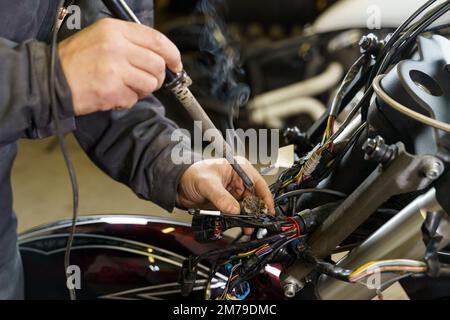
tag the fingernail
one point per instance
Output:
(179, 67)
(235, 210)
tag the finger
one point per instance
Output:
(220, 197)
(261, 187)
(262, 190)
(236, 188)
(236, 193)
(128, 98)
(149, 62)
(140, 82)
(154, 40)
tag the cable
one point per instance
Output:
(239, 247)
(258, 266)
(422, 25)
(343, 89)
(63, 146)
(353, 112)
(396, 45)
(396, 34)
(312, 190)
(405, 110)
(411, 34)
(396, 265)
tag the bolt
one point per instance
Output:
(292, 286)
(290, 290)
(369, 44)
(293, 135)
(364, 43)
(377, 150)
(433, 169)
(370, 146)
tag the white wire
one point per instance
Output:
(405, 110)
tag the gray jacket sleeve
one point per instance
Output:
(24, 92)
(134, 146)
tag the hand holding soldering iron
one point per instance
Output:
(113, 63)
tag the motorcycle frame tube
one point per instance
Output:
(307, 88)
(401, 237)
(403, 174)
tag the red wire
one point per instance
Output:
(297, 226)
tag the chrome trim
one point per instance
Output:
(145, 253)
(143, 292)
(92, 219)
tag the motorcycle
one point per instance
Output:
(376, 188)
(123, 257)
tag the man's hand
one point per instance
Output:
(113, 64)
(214, 182)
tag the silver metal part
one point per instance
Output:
(403, 174)
(433, 169)
(292, 286)
(376, 149)
(349, 130)
(399, 238)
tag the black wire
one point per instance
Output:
(63, 146)
(212, 272)
(345, 85)
(299, 192)
(253, 224)
(438, 28)
(238, 247)
(347, 147)
(396, 34)
(411, 34)
(422, 26)
(263, 262)
(391, 48)
(365, 99)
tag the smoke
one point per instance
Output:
(222, 48)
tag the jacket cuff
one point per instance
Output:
(164, 191)
(63, 96)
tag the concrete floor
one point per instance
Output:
(42, 191)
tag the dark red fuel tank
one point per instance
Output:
(123, 257)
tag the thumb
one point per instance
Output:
(221, 198)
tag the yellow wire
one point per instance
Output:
(325, 144)
(371, 263)
(252, 251)
(365, 266)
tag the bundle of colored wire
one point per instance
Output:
(238, 297)
(230, 279)
(252, 251)
(393, 266)
(263, 251)
(329, 129)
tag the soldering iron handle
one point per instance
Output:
(120, 10)
(171, 77)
